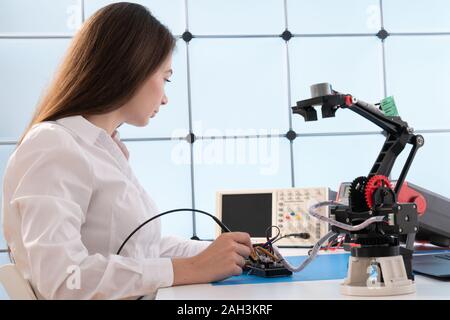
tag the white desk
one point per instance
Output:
(426, 288)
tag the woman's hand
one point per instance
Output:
(223, 258)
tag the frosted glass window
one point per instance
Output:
(163, 169)
(238, 84)
(171, 13)
(172, 119)
(47, 17)
(350, 65)
(431, 166)
(4, 259)
(5, 152)
(27, 66)
(416, 15)
(221, 164)
(330, 160)
(330, 16)
(218, 17)
(418, 76)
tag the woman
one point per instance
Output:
(70, 196)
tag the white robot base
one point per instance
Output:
(377, 276)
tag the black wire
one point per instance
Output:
(303, 235)
(270, 241)
(220, 223)
(273, 238)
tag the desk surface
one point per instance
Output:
(426, 288)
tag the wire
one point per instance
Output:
(267, 253)
(310, 258)
(330, 235)
(267, 234)
(303, 235)
(220, 223)
(334, 243)
(312, 211)
(270, 241)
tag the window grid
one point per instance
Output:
(383, 51)
(288, 92)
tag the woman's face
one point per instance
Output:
(149, 97)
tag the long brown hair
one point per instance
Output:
(109, 58)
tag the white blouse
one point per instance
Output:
(70, 199)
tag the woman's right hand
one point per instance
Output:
(223, 258)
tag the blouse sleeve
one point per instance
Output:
(172, 246)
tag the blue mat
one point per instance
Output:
(324, 267)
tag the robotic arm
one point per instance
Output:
(373, 195)
(398, 132)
